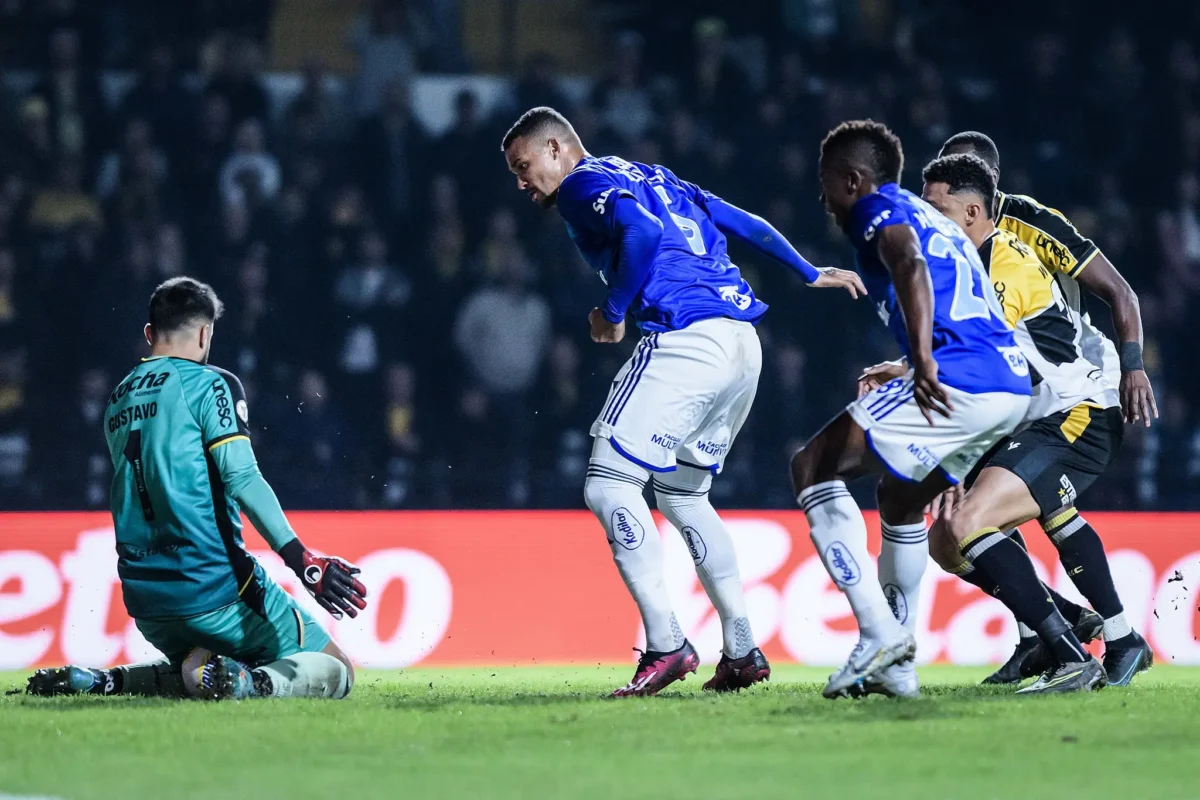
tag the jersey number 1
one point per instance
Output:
(133, 454)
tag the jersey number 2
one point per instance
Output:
(133, 454)
(968, 271)
(689, 229)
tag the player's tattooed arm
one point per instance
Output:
(900, 251)
(1102, 279)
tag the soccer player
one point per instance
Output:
(967, 387)
(1076, 261)
(1077, 420)
(179, 436)
(659, 243)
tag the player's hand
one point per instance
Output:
(1137, 397)
(833, 278)
(332, 583)
(942, 506)
(931, 397)
(603, 330)
(876, 376)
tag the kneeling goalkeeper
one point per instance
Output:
(178, 433)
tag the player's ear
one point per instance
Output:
(148, 332)
(553, 145)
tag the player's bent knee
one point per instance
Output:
(332, 649)
(943, 548)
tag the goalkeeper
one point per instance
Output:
(179, 438)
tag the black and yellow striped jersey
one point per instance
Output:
(1046, 328)
(1051, 236)
(1065, 252)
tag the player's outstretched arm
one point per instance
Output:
(1101, 278)
(900, 251)
(753, 230)
(331, 581)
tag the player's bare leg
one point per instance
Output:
(819, 472)
(969, 542)
(613, 491)
(682, 497)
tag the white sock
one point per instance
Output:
(613, 491)
(309, 675)
(1116, 627)
(902, 558)
(683, 499)
(839, 532)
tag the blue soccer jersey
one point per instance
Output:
(691, 277)
(972, 344)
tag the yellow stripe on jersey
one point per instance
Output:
(1022, 284)
(1056, 242)
(1076, 422)
(224, 442)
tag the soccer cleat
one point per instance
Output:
(1074, 676)
(1122, 663)
(222, 678)
(867, 658)
(898, 680)
(1011, 672)
(735, 674)
(69, 680)
(656, 671)
(1040, 659)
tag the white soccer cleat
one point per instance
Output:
(898, 680)
(869, 656)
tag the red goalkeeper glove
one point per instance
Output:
(329, 580)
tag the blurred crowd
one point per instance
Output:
(412, 331)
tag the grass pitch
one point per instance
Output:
(547, 732)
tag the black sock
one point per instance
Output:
(1006, 565)
(1070, 611)
(1082, 554)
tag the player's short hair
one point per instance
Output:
(181, 303)
(539, 121)
(980, 144)
(964, 172)
(868, 146)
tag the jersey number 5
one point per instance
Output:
(689, 229)
(133, 454)
(969, 302)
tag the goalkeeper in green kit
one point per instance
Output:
(179, 438)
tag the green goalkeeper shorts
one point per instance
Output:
(239, 631)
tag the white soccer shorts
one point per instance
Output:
(683, 396)
(899, 434)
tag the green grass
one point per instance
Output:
(529, 733)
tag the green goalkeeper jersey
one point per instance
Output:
(179, 437)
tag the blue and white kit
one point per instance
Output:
(659, 244)
(980, 365)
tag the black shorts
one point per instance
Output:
(1059, 456)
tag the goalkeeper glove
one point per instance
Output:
(329, 580)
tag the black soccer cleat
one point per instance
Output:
(1122, 663)
(1074, 676)
(68, 680)
(735, 674)
(1040, 659)
(1011, 672)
